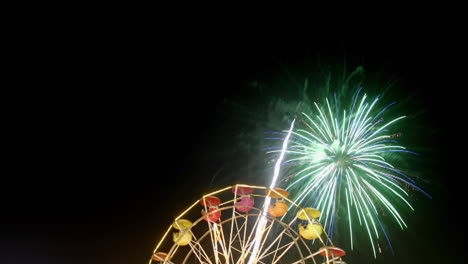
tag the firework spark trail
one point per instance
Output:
(339, 161)
(266, 203)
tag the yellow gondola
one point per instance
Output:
(308, 211)
(182, 238)
(312, 231)
(182, 224)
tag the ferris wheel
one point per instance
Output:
(244, 224)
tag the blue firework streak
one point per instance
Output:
(340, 163)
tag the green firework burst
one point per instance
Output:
(343, 160)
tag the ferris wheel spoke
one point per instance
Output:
(199, 253)
(277, 241)
(265, 235)
(254, 228)
(287, 247)
(218, 237)
(234, 220)
(237, 237)
(246, 249)
(241, 260)
(198, 250)
(274, 252)
(280, 246)
(222, 242)
(243, 241)
(231, 232)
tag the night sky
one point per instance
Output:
(142, 126)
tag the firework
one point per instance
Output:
(341, 160)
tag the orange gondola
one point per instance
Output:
(280, 207)
(161, 257)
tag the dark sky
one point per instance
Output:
(135, 131)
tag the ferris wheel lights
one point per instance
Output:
(231, 236)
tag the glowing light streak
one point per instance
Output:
(262, 222)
